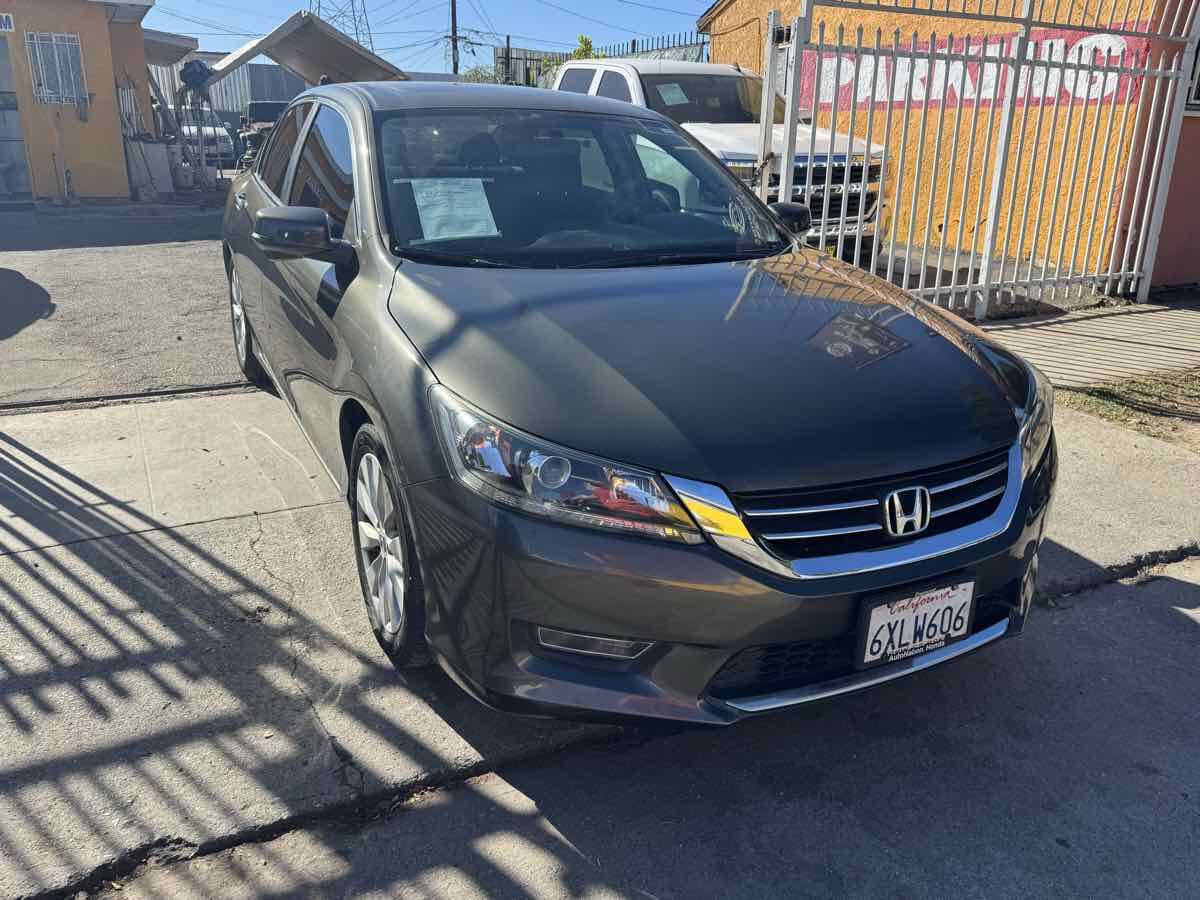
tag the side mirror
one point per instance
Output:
(299, 232)
(795, 216)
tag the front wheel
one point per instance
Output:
(383, 549)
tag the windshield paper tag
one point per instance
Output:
(672, 94)
(453, 208)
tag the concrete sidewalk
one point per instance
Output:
(1059, 765)
(1107, 344)
(185, 658)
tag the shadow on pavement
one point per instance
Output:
(1057, 764)
(223, 669)
(1044, 761)
(51, 232)
(22, 302)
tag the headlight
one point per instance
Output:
(520, 471)
(1036, 419)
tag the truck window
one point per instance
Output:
(718, 99)
(614, 86)
(577, 81)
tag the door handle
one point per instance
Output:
(239, 200)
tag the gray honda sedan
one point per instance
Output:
(614, 443)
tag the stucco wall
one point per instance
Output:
(1077, 212)
(129, 65)
(1179, 245)
(57, 142)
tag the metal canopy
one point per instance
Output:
(165, 49)
(310, 47)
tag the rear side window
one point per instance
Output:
(614, 86)
(577, 81)
(283, 142)
(325, 172)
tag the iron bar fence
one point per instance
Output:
(1022, 158)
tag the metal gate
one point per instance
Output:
(1026, 160)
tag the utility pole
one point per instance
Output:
(454, 35)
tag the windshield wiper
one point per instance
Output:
(451, 259)
(679, 258)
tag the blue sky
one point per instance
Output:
(408, 33)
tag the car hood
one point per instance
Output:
(741, 141)
(788, 372)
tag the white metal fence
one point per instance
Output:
(986, 169)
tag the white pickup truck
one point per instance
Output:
(719, 106)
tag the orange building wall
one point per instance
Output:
(736, 32)
(57, 141)
(129, 66)
(1179, 244)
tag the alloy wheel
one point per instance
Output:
(380, 545)
(239, 315)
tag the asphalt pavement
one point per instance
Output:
(191, 702)
(112, 305)
(1061, 764)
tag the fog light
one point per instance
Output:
(570, 642)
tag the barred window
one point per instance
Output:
(56, 62)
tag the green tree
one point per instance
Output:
(585, 49)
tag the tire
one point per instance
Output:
(243, 336)
(398, 622)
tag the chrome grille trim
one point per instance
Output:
(963, 482)
(925, 547)
(966, 504)
(811, 510)
(828, 532)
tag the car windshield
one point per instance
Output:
(717, 99)
(550, 189)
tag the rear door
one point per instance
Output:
(614, 85)
(268, 187)
(309, 291)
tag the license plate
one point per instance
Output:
(907, 626)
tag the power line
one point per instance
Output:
(348, 16)
(197, 21)
(483, 16)
(678, 12)
(396, 15)
(577, 15)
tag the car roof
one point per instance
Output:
(660, 66)
(398, 95)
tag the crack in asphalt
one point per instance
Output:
(32, 406)
(1139, 565)
(367, 807)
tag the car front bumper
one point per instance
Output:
(491, 576)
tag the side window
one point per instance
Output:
(273, 168)
(593, 169)
(660, 165)
(577, 81)
(325, 172)
(614, 86)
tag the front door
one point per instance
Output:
(309, 292)
(14, 167)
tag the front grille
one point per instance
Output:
(838, 175)
(849, 518)
(778, 667)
